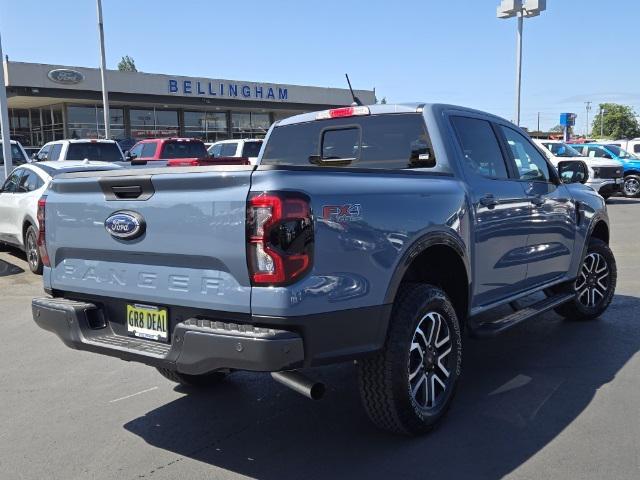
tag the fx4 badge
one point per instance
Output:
(342, 213)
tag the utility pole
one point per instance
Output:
(538, 122)
(588, 108)
(103, 73)
(4, 121)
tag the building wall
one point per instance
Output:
(39, 76)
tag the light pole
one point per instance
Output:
(588, 109)
(520, 9)
(103, 73)
(4, 121)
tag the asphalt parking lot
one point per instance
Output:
(553, 399)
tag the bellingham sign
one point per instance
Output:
(226, 90)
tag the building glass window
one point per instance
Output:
(88, 122)
(52, 126)
(152, 123)
(207, 126)
(250, 125)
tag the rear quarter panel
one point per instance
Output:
(364, 221)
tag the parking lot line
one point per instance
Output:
(133, 394)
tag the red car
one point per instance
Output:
(167, 149)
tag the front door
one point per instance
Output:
(500, 213)
(552, 224)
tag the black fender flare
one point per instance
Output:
(429, 239)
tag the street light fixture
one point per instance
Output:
(520, 9)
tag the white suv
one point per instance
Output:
(246, 148)
(605, 176)
(85, 149)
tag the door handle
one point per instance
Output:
(489, 201)
(537, 201)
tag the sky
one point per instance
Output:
(453, 51)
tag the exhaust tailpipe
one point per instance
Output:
(301, 384)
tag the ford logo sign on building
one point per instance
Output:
(125, 225)
(65, 76)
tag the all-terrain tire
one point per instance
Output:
(206, 380)
(385, 379)
(593, 275)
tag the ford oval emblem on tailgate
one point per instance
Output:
(125, 225)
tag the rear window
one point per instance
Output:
(184, 150)
(379, 141)
(251, 149)
(105, 152)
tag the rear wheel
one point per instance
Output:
(205, 380)
(408, 387)
(631, 187)
(32, 251)
(595, 286)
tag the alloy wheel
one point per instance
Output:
(429, 361)
(593, 283)
(631, 186)
(33, 257)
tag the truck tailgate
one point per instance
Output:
(192, 252)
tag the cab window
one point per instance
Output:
(29, 182)
(228, 149)
(598, 152)
(11, 184)
(55, 152)
(148, 150)
(530, 163)
(481, 150)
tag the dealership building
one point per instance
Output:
(51, 102)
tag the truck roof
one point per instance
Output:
(379, 109)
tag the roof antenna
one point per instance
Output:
(356, 100)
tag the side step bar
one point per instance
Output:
(494, 328)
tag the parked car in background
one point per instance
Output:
(246, 148)
(19, 202)
(82, 149)
(605, 175)
(18, 153)
(630, 163)
(157, 149)
(381, 234)
(631, 146)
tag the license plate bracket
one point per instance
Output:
(147, 321)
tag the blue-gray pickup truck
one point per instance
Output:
(377, 234)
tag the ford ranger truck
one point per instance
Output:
(377, 234)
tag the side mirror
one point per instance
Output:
(35, 157)
(130, 156)
(573, 171)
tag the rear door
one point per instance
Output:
(501, 212)
(552, 222)
(191, 245)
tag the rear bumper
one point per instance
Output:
(197, 346)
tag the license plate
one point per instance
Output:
(619, 181)
(147, 321)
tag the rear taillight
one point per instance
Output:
(279, 237)
(42, 242)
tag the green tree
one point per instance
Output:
(558, 128)
(618, 121)
(383, 101)
(127, 64)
